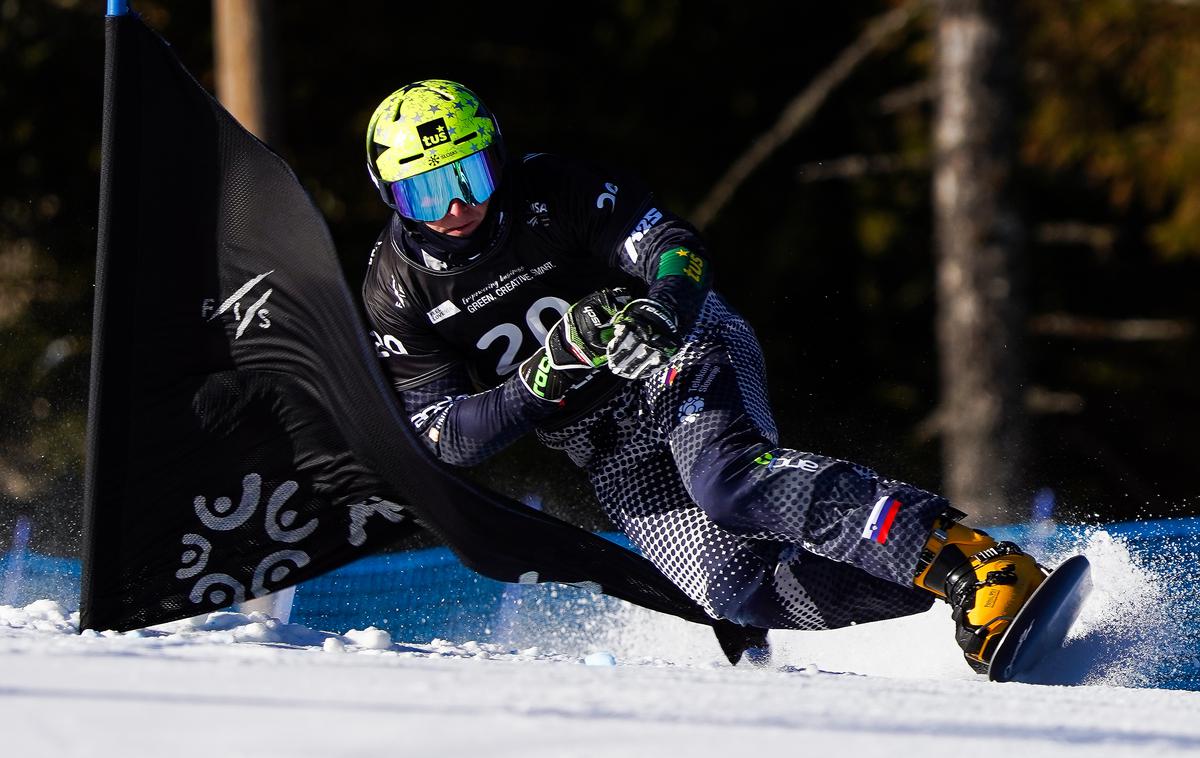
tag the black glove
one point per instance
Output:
(645, 335)
(574, 347)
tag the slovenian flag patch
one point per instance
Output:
(882, 516)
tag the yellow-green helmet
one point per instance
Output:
(431, 142)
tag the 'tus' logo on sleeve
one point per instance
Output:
(679, 261)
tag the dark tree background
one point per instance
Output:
(980, 241)
(828, 246)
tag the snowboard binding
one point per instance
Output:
(985, 582)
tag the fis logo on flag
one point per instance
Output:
(244, 317)
(882, 516)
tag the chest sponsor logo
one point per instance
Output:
(652, 217)
(244, 316)
(443, 312)
(433, 132)
(505, 284)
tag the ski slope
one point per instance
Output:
(249, 685)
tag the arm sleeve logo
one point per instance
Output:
(679, 261)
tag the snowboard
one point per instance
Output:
(1038, 630)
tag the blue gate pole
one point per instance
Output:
(118, 7)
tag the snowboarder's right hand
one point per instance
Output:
(580, 338)
(574, 347)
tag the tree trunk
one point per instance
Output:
(245, 55)
(980, 241)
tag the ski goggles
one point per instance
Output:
(426, 197)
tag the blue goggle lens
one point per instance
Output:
(427, 196)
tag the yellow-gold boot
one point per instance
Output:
(984, 581)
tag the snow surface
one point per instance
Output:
(233, 684)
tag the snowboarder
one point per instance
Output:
(542, 293)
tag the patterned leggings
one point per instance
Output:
(686, 463)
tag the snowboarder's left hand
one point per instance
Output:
(645, 336)
(574, 347)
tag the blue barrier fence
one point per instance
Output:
(427, 594)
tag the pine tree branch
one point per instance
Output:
(908, 96)
(802, 107)
(1119, 330)
(1096, 236)
(856, 166)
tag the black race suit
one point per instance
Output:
(685, 461)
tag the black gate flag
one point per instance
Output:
(241, 435)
